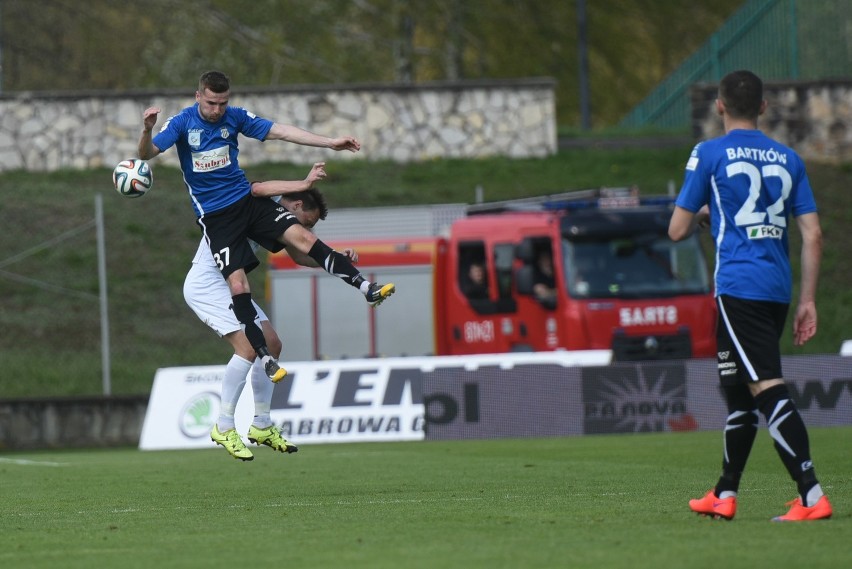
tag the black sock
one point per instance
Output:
(245, 313)
(335, 263)
(790, 435)
(740, 432)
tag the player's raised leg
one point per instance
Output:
(339, 265)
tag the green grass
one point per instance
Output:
(599, 501)
(151, 240)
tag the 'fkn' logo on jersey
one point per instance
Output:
(765, 232)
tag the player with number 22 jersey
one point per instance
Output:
(753, 189)
(753, 184)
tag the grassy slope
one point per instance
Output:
(50, 340)
(613, 501)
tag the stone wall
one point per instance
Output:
(813, 118)
(513, 118)
(74, 422)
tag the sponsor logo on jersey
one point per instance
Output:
(211, 159)
(692, 163)
(765, 232)
(193, 138)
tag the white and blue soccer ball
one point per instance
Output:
(132, 178)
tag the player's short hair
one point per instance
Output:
(742, 94)
(216, 81)
(312, 200)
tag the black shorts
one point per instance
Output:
(748, 336)
(228, 230)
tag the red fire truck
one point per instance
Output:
(618, 283)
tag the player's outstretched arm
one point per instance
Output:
(297, 135)
(272, 188)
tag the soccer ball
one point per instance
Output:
(132, 178)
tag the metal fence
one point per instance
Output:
(777, 39)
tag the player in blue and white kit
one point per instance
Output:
(750, 185)
(207, 293)
(206, 138)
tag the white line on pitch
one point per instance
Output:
(23, 462)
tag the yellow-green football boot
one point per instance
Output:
(271, 437)
(232, 442)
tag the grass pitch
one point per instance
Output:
(597, 501)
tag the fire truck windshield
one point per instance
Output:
(634, 266)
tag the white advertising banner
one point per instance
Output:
(320, 402)
(184, 405)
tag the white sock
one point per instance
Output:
(262, 388)
(232, 388)
(814, 494)
(727, 494)
(365, 287)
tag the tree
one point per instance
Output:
(114, 44)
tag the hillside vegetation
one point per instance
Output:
(632, 44)
(50, 332)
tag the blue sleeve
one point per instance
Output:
(169, 133)
(695, 192)
(252, 125)
(802, 197)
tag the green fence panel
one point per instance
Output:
(777, 39)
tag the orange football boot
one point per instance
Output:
(711, 505)
(799, 513)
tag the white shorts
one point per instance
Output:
(207, 294)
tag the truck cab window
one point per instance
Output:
(474, 280)
(640, 266)
(544, 278)
(537, 276)
(482, 278)
(473, 271)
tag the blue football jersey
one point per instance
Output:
(208, 154)
(753, 186)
